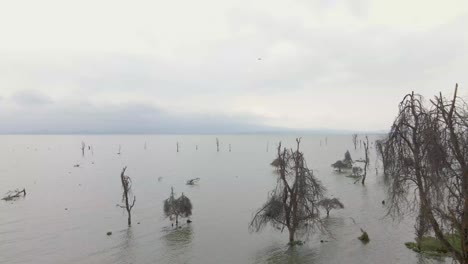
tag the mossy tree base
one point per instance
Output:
(296, 243)
(431, 246)
(364, 237)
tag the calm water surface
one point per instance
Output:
(233, 185)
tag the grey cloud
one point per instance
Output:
(30, 98)
(130, 118)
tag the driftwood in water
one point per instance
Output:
(11, 195)
(193, 181)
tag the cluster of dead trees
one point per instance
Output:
(347, 163)
(425, 161)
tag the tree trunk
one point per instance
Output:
(328, 213)
(464, 235)
(291, 235)
(129, 218)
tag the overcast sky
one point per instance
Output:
(223, 65)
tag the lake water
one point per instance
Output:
(38, 229)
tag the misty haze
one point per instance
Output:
(263, 132)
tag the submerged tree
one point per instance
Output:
(294, 203)
(340, 165)
(366, 160)
(126, 195)
(355, 140)
(408, 172)
(450, 153)
(329, 204)
(347, 159)
(346, 163)
(380, 149)
(426, 154)
(177, 207)
(83, 146)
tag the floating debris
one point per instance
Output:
(193, 181)
(11, 195)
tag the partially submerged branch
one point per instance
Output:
(15, 194)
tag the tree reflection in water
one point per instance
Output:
(178, 243)
(284, 254)
(126, 253)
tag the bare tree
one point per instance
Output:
(355, 140)
(366, 160)
(126, 195)
(217, 145)
(380, 149)
(405, 147)
(340, 165)
(426, 153)
(229, 147)
(449, 151)
(329, 204)
(177, 146)
(120, 148)
(83, 146)
(346, 163)
(294, 203)
(177, 207)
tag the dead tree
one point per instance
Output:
(120, 148)
(177, 146)
(217, 145)
(126, 195)
(329, 204)
(294, 203)
(380, 149)
(449, 157)
(366, 160)
(355, 140)
(229, 147)
(346, 163)
(407, 147)
(12, 195)
(177, 207)
(83, 146)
